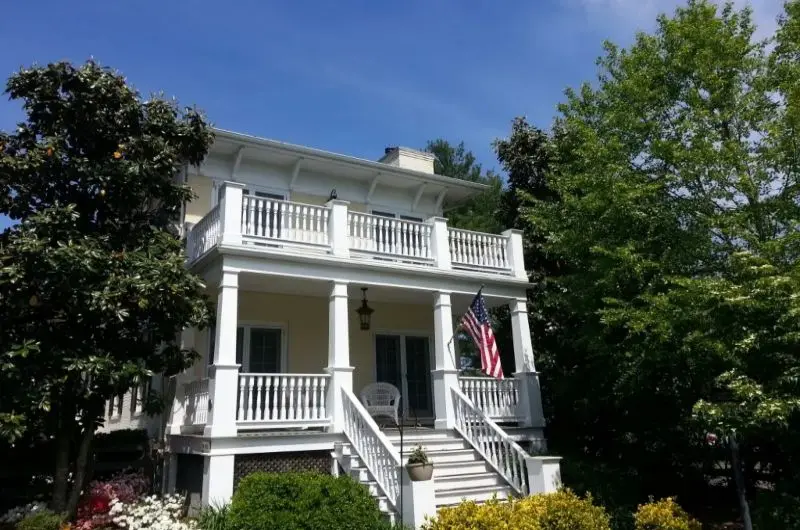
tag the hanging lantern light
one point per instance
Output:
(365, 311)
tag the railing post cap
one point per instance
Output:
(338, 202)
(512, 231)
(232, 184)
(436, 219)
(544, 459)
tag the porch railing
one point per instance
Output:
(282, 400)
(253, 220)
(477, 249)
(195, 402)
(497, 398)
(389, 236)
(494, 445)
(204, 235)
(272, 219)
(372, 446)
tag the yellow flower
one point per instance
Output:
(117, 155)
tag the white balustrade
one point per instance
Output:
(195, 402)
(478, 250)
(494, 444)
(497, 398)
(204, 235)
(282, 400)
(389, 236)
(372, 446)
(264, 218)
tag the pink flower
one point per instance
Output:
(711, 438)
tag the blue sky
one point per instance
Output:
(347, 76)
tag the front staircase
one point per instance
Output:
(459, 472)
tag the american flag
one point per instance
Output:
(476, 322)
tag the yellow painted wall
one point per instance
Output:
(196, 209)
(406, 318)
(305, 319)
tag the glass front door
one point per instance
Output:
(404, 361)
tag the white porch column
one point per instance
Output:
(530, 397)
(516, 257)
(230, 213)
(445, 372)
(224, 373)
(337, 228)
(217, 480)
(440, 244)
(338, 354)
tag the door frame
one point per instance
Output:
(403, 367)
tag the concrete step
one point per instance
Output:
(448, 483)
(453, 455)
(431, 445)
(477, 494)
(448, 469)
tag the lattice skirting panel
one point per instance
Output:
(319, 461)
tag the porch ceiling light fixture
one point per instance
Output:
(365, 311)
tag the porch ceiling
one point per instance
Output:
(303, 287)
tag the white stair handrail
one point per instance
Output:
(493, 443)
(372, 446)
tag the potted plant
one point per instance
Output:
(419, 467)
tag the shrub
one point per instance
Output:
(214, 517)
(556, 511)
(665, 514)
(302, 501)
(15, 515)
(40, 520)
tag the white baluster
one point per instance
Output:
(251, 396)
(245, 379)
(291, 412)
(280, 397)
(249, 214)
(323, 405)
(240, 413)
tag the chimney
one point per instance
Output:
(406, 158)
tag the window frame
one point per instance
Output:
(248, 326)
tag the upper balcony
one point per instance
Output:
(332, 229)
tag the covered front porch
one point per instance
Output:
(292, 343)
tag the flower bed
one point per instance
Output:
(119, 503)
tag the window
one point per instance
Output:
(259, 349)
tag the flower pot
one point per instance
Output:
(419, 472)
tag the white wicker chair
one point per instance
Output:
(381, 399)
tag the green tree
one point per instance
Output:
(525, 155)
(678, 200)
(479, 213)
(93, 287)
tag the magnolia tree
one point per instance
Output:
(93, 287)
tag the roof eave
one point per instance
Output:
(311, 152)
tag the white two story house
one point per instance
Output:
(292, 242)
